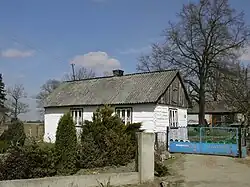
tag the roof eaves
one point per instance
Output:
(84, 105)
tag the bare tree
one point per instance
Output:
(236, 91)
(50, 85)
(79, 73)
(15, 105)
(107, 73)
(209, 36)
(46, 89)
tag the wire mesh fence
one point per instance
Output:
(161, 142)
(219, 135)
(204, 134)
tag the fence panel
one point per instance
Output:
(204, 140)
(184, 140)
(161, 142)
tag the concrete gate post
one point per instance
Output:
(146, 156)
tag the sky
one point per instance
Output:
(39, 39)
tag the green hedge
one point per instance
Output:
(106, 140)
(65, 145)
(31, 161)
(13, 136)
(3, 146)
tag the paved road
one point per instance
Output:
(214, 171)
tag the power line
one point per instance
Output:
(57, 58)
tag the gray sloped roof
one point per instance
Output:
(126, 89)
(213, 107)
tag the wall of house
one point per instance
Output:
(194, 118)
(175, 95)
(148, 114)
(140, 113)
(161, 115)
(161, 118)
(182, 117)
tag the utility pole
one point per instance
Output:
(73, 71)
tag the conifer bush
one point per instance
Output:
(14, 135)
(29, 161)
(105, 141)
(66, 145)
(14, 165)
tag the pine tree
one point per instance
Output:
(2, 92)
(107, 136)
(65, 145)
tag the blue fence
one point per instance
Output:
(205, 140)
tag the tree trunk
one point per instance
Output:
(15, 113)
(217, 79)
(202, 103)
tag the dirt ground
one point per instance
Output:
(215, 171)
(205, 171)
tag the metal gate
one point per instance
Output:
(205, 140)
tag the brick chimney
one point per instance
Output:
(118, 72)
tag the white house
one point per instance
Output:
(159, 98)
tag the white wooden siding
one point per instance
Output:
(149, 114)
(51, 119)
(182, 117)
(140, 113)
(161, 116)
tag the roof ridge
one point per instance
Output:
(129, 74)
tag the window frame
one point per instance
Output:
(125, 108)
(173, 123)
(77, 109)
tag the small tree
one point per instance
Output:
(79, 73)
(15, 135)
(106, 141)
(30, 161)
(46, 89)
(15, 104)
(65, 145)
(236, 91)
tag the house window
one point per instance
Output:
(77, 115)
(125, 114)
(173, 118)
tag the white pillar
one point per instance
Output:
(146, 156)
